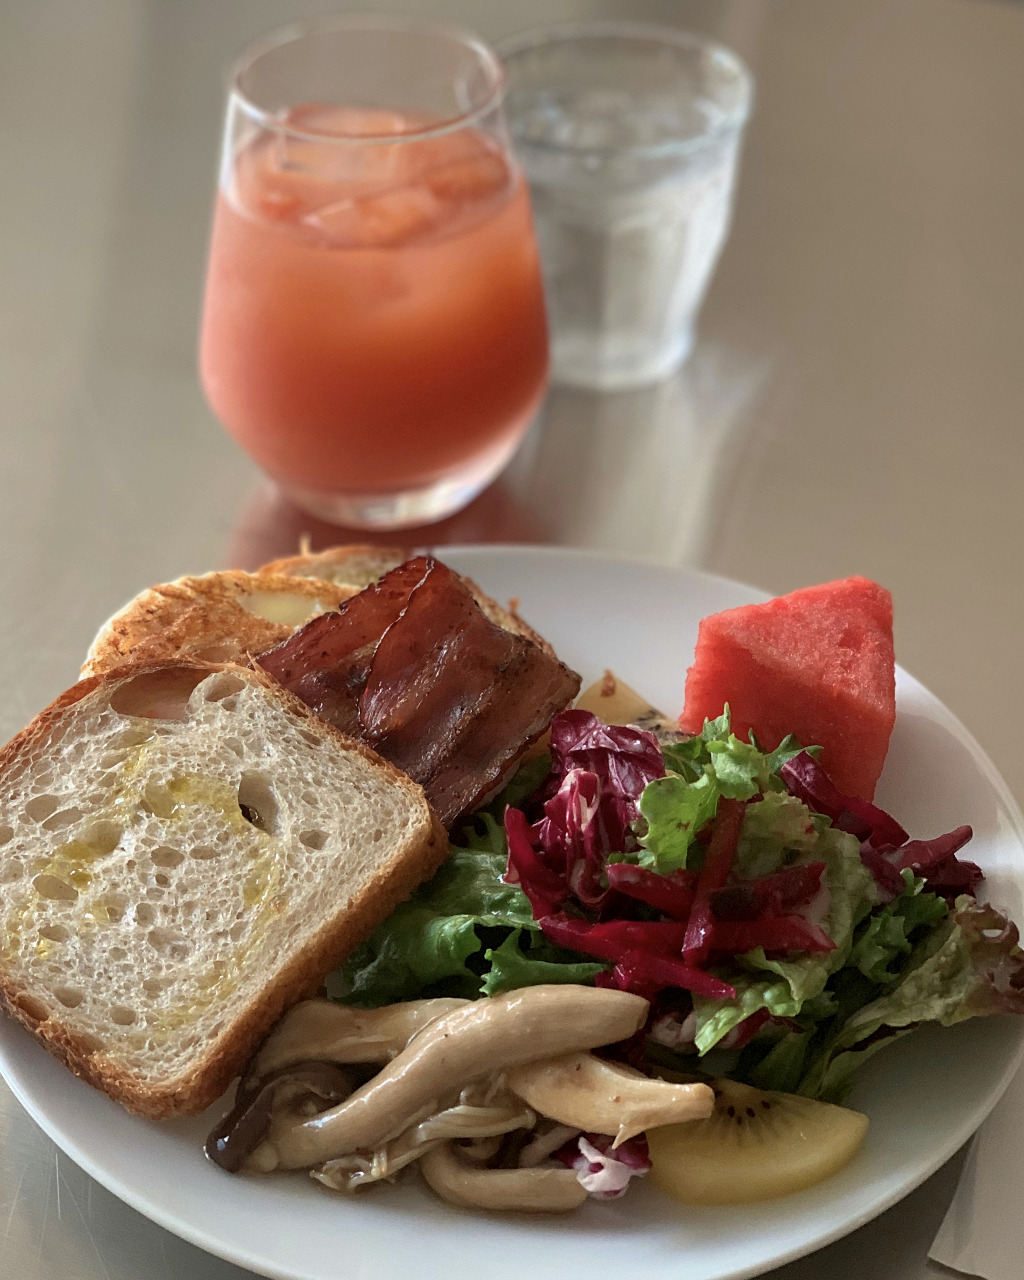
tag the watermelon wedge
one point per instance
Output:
(817, 663)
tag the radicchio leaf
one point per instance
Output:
(603, 1171)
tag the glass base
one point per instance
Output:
(609, 362)
(403, 510)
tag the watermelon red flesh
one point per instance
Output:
(817, 663)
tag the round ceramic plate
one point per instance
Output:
(925, 1095)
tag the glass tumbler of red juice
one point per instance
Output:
(373, 332)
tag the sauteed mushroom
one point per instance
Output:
(321, 1030)
(483, 1111)
(588, 1093)
(245, 1126)
(481, 1039)
(538, 1190)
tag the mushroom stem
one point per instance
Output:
(546, 1190)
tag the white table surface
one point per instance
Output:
(855, 403)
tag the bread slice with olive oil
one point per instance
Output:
(185, 851)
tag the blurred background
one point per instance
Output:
(853, 405)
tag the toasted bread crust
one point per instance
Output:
(202, 618)
(361, 565)
(193, 1091)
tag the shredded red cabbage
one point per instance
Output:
(808, 781)
(645, 974)
(768, 895)
(671, 894)
(885, 849)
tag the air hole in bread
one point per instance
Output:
(153, 986)
(168, 943)
(157, 695)
(237, 931)
(55, 889)
(62, 818)
(165, 856)
(11, 871)
(122, 1015)
(145, 915)
(162, 880)
(133, 736)
(314, 839)
(117, 954)
(203, 853)
(39, 808)
(235, 745)
(310, 738)
(6, 833)
(89, 1042)
(221, 686)
(33, 1008)
(113, 905)
(311, 798)
(377, 836)
(70, 997)
(102, 838)
(258, 803)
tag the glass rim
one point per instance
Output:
(565, 32)
(294, 31)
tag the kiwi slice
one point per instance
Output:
(754, 1146)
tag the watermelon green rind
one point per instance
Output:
(817, 663)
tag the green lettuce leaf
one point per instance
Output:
(776, 830)
(703, 769)
(675, 810)
(885, 938)
(465, 932)
(851, 892)
(510, 966)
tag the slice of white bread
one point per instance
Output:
(218, 617)
(359, 566)
(185, 851)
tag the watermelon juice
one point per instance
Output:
(374, 319)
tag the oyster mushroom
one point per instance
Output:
(321, 1030)
(588, 1093)
(481, 1039)
(538, 1190)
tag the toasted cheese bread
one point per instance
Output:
(359, 566)
(185, 851)
(218, 617)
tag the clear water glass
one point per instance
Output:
(630, 136)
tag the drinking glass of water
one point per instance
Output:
(629, 135)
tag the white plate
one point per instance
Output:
(925, 1095)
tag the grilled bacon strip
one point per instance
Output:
(413, 667)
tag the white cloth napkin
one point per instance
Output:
(982, 1234)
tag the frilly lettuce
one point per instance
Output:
(466, 932)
